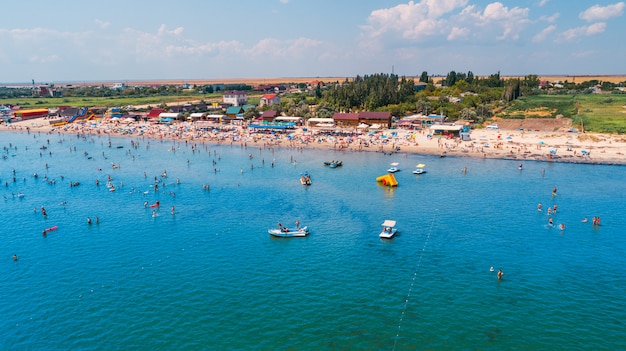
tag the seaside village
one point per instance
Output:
(224, 121)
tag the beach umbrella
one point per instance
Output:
(421, 165)
(541, 143)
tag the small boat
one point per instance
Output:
(333, 164)
(305, 179)
(419, 169)
(393, 168)
(389, 229)
(284, 232)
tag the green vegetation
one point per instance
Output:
(459, 96)
(604, 113)
(104, 101)
(541, 106)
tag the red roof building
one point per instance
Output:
(269, 100)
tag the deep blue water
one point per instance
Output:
(210, 276)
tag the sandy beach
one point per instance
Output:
(591, 148)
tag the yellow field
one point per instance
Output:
(248, 81)
(584, 78)
(283, 80)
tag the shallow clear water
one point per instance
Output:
(210, 277)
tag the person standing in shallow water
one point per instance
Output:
(500, 274)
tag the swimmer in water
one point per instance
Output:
(500, 274)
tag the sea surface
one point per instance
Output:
(210, 277)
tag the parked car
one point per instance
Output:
(492, 126)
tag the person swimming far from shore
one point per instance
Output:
(500, 274)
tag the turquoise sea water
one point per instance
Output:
(209, 277)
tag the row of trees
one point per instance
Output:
(370, 92)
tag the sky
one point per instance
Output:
(114, 40)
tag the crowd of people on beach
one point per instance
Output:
(354, 139)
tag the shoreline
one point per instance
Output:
(582, 148)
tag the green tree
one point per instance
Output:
(424, 77)
(450, 79)
(250, 113)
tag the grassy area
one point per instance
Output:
(604, 113)
(109, 101)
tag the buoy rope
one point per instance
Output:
(408, 296)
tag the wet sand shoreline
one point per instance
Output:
(583, 148)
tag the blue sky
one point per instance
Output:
(67, 40)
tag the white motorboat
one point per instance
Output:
(393, 168)
(419, 169)
(284, 232)
(389, 229)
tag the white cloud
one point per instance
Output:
(541, 36)
(511, 21)
(164, 31)
(574, 33)
(413, 21)
(602, 13)
(596, 28)
(203, 49)
(458, 33)
(550, 19)
(543, 2)
(102, 24)
(284, 1)
(283, 48)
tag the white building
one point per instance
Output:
(235, 98)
